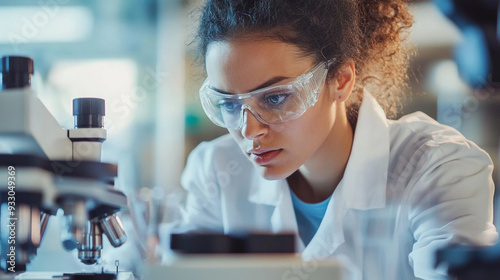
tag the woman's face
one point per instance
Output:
(241, 66)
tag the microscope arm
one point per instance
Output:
(27, 127)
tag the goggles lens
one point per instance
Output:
(270, 105)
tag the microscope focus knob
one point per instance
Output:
(88, 112)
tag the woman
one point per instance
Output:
(305, 88)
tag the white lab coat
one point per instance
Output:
(410, 186)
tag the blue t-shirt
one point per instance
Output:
(309, 216)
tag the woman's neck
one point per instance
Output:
(319, 176)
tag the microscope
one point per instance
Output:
(44, 168)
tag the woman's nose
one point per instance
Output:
(252, 127)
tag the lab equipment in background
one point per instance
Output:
(478, 61)
(244, 256)
(478, 54)
(471, 263)
(44, 167)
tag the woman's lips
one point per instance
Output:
(263, 158)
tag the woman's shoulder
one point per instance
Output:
(418, 135)
(420, 125)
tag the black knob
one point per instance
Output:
(89, 276)
(88, 112)
(16, 71)
(218, 243)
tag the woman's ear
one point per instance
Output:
(341, 87)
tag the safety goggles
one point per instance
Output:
(271, 105)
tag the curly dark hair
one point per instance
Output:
(371, 33)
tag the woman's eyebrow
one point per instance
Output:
(269, 82)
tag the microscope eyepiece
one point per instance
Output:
(88, 112)
(16, 71)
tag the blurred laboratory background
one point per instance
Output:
(139, 56)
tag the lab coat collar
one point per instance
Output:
(276, 193)
(363, 185)
(365, 177)
(269, 192)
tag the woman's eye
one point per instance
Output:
(276, 99)
(229, 106)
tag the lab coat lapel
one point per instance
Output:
(264, 191)
(365, 176)
(363, 185)
(330, 234)
(275, 193)
(283, 219)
